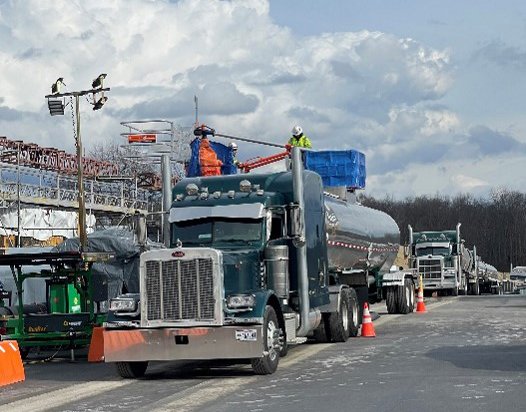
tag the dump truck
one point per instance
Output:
(257, 262)
(443, 261)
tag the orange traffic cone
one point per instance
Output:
(367, 323)
(420, 305)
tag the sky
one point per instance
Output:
(433, 92)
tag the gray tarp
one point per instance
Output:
(122, 271)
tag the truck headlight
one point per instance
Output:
(240, 301)
(123, 305)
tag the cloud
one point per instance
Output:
(497, 52)
(367, 90)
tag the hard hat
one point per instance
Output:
(297, 130)
(233, 146)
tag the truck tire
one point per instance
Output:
(269, 360)
(354, 321)
(322, 333)
(476, 289)
(131, 370)
(454, 292)
(391, 299)
(464, 289)
(405, 297)
(339, 321)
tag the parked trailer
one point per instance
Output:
(257, 263)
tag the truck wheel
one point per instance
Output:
(390, 299)
(268, 363)
(354, 312)
(131, 370)
(339, 321)
(463, 290)
(322, 332)
(476, 289)
(454, 292)
(404, 300)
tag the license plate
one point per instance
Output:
(250, 335)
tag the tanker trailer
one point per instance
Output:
(362, 247)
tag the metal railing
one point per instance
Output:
(39, 187)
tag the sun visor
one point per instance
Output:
(243, 211)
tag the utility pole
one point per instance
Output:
(56, 107)
(19, 226)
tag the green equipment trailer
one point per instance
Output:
(72, 307)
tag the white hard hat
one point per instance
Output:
(297, 130)
(233, 146)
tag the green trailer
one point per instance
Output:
(72, 307)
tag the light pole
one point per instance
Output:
(56, 107)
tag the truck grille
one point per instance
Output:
(430, 268)
(180, 290)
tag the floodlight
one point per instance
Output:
(56, 107)
(98, 82)
(99, 103)
(55, 87)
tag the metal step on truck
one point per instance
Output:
(258, 262)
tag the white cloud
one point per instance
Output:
(367, 90)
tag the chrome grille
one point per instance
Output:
(187, 291)
(430, 268)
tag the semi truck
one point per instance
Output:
(489, 281)
(256, 262)
(444, 263)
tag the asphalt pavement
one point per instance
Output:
(464, 354)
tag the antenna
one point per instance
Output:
(196, 101)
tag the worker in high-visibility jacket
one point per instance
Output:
(299, 139)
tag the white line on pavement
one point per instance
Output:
(62, 396)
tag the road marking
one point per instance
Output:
(59, 397)
(211, 389)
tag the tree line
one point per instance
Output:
(495, 225)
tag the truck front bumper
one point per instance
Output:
(437, 284)
(167, 344)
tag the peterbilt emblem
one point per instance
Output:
(178, 254)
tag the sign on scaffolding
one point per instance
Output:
(142, 138)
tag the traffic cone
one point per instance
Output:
(367, 323)
(420, 305)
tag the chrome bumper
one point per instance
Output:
(168, 344)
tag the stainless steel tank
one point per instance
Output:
(467, 260)
(359, 237)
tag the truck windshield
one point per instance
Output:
(217, 231)
(424, 251)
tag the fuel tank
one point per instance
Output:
(359, 237)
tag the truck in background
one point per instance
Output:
(445, 264)
(489, 279)
(256, 263)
